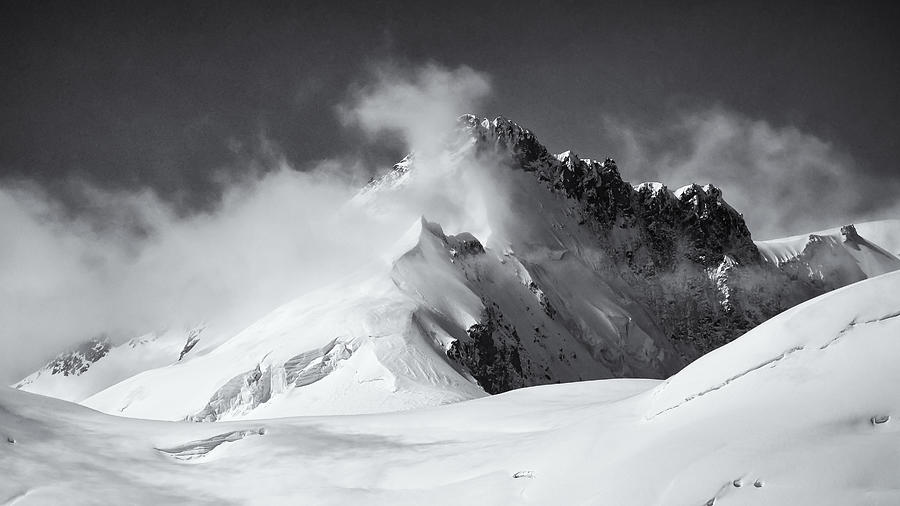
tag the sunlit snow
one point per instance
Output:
(799, 411)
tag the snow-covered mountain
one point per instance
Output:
(525, 268)
(839, 256)
(96, 364)
(800, 411)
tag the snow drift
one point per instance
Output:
(799, 411)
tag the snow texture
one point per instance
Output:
(803, 421)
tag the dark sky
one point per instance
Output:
(165, 95)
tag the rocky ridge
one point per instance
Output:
(78, 360)
(561, 271)
(687, 256)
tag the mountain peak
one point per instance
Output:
(606, 199)
(503, 135)
(491, 128)
(850, 234)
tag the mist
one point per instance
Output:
(126, 263)
(415, 103)
(785, 181)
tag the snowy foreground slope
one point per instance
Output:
(802, 410)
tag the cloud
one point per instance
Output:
(417, 103)
(125, 263)
(421, 106)
(142, 267)
(784, 180)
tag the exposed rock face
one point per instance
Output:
(193, 338)
(824, 263)
(77, 361)
(696, 216)
(687, 255)
(491, 353)
(850, 234)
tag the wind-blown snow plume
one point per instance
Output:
(784, 180)
(421, 106)
(65, 279)
(418, 104)
(133, 265)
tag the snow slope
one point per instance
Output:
(529, 269)
(839, 256)
(78, 379)
(352, 347)
(437, 319)
(800, 411)
(379, 340)
(885, 233)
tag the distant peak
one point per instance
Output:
(503, 121)
(712, 190)
(469, 120)
(500, 124)
(570, 160)
(695, 190)
(504, 135)
(850, 234)
(653, 187)
(432, 227)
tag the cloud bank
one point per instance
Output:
(783, 180)
(127, 263)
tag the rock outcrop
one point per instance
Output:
(687, 257)
(78, 360)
